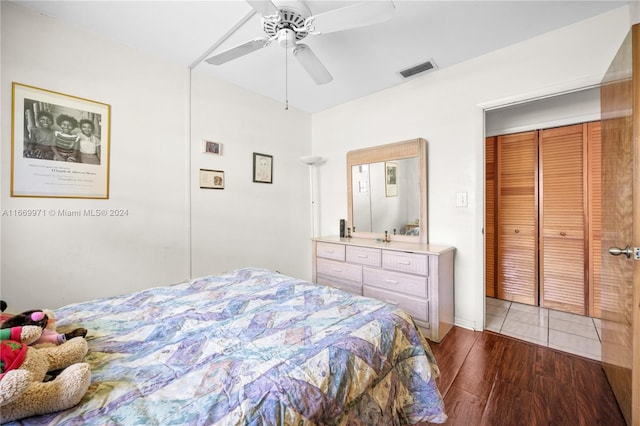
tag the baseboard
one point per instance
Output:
(469, 325)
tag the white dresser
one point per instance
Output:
(415, 277)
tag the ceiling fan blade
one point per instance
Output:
(357, 15)
(238, 51)
(264, 7)
(312, 64)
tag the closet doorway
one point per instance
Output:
(541, 181)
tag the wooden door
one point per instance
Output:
(490, 216)
(517, 190)
(620, 107)
(562, 218)
(594, 213)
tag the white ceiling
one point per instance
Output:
(362, 60)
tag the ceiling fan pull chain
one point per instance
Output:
(286, 76)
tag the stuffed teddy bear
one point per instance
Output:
(44, 319)
(23, 368)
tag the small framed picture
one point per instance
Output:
(210, 147)
(211, 179)
(391, 178)
(262, 168)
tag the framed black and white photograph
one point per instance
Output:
(211, 179)
(59, 145)
(210, 147)
(262, 168)
(391, 178)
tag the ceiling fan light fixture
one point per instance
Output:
(286, 38)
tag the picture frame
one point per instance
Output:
(391, 178)
(262, 168)
(211, 147)
(211, 179)
(59, 144)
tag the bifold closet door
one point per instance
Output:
(517, 191)
(490, 216)
(563, 270)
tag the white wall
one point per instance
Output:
(52, 261)
(248, 223)
(446, 108)
(2, 138)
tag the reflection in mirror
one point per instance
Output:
(387, 188)
(386, 196)
(361, 197)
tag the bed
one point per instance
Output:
(251, 347)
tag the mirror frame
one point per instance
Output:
(389, 152)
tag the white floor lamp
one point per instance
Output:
(311, 160)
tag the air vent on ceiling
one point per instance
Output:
(426, 66)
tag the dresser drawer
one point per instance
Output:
(364, 256)
(340, 270)
(349, 287)
(418, 308)
(396, 281)
(412, 263)
(330, 251)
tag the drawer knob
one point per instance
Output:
(517, 231)
(336, 269)
(392, 281)
(404, 263)
(391, 302)
(363, 256)
(564, 234)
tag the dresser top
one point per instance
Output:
(434, 249)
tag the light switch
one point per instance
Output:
(461, 199)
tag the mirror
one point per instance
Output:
(387, 190)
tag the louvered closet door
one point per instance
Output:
(517, 217)
(562, 218)
(594, 171)
(490, 216)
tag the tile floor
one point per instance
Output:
(563, 331)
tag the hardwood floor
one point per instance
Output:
(490, 379)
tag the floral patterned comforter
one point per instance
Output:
(251, 347)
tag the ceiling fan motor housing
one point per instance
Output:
(292, 15)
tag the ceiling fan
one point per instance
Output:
(290, 21)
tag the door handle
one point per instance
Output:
(615, 251)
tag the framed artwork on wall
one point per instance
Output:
(262, 168)
(59, 145)
(211, 147)
(211, 179)
(391, 178)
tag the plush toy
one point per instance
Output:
(23, 368)
(44, 319)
